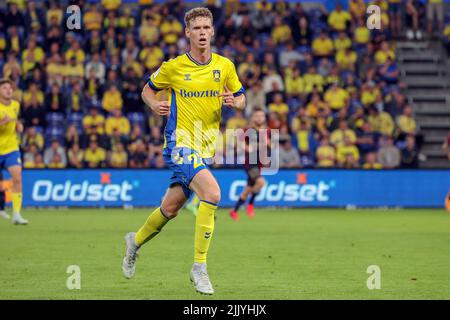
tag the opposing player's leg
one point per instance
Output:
(173, 201)
(259, 184)
(242, 198)
(16, 192)
(207, 189)
(3, 213)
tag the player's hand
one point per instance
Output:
(161, 108)
(228, 98)
(19, 127)
(6, 119)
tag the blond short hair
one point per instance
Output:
(195, 13)
(5, 80)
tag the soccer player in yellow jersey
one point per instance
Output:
(199, 83)
(9, 146)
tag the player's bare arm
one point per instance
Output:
(159, 107)
(230, 100)
(19, 127)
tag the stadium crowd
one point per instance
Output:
(327, 82)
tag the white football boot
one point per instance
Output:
(129, 261)
(19, 220)
(4, 215)
(200, 279)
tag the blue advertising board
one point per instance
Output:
(293, 188)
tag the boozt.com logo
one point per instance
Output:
(46, 190)
(285, 192)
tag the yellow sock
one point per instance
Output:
(155, 222)
(16, 199)
(204, 227)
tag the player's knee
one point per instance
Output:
(169, 211)
(212, 195)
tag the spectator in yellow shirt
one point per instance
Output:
(357, 9)
(31, 56)
(342, 42)
(278, 106)
(406, 123)
(312, 79)
(171, 29)
(361, 34)
(381, 121)
(347, 154)
(339, 18)
(117, 121)
(56, 162)
(33, 94)
(151, 57)
(325, 154)
(75, 51)
(94, 156)
(281, 32)
(336, 97)
(94, 122)
(322, 46)
(369, 93)
(237, 121)
(92, 18)
(340, 134)
(111, 5)
(346, 59)
(294, 83)
(112, 99)
(384, 53)
(118, 157)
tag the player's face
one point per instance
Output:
(6, 91)
(200, 33)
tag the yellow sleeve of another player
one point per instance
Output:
(160, 79)
(232, 81)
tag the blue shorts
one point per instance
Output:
(10, 159)
(185, 163)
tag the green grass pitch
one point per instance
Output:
(280, 254)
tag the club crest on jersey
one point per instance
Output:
(187, 77)
(216, 75)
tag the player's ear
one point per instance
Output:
(187, 32)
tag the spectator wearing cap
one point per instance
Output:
(55, 148)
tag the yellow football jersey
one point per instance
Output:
(195, 104)
(8, 135)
